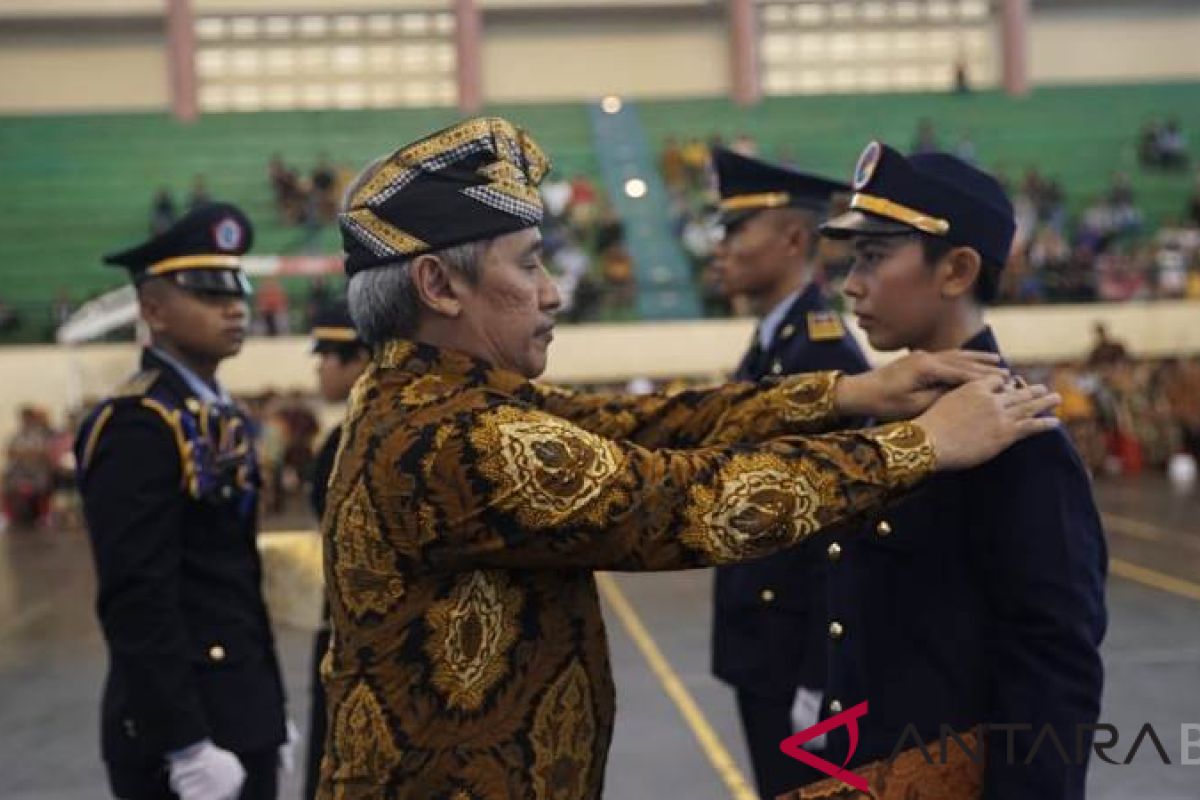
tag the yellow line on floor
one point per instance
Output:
(1154, 579)
(1147, 532)
(710, 743)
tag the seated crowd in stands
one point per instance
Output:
(1107, 251)
(1128, 415)
(1163, 145)
(310, 202)
(273, 307)
(584, 247)
(37, 477)
(37, 463)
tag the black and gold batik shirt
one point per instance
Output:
(468, 510)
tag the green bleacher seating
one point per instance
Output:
(1082, 135)
(77, 186)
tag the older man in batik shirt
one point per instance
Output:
(470, 506)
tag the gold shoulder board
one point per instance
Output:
(824, 326)
(138, 384)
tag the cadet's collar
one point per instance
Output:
(204, 392)
(420, 358)
(774, 318)
(983, 342)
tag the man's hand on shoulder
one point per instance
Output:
(910, 385)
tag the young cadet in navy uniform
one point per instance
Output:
(979, 598)
(767, 624)
(193, 705)
(344, 356)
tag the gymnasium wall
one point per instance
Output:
(55, 66)
(58, 377)
(1152, 40)
(547, 58)
(107, 55)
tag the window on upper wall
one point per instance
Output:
(823, 46)
(248, 62)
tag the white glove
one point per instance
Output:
(204, 771)
(287, 750)
(806, 712)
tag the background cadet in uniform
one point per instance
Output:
(769, 614)
(980, 598)
(343, 358)
(193, 704)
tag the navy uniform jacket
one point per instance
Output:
(763, 610)
(977, 599)
(322, 469)
(169, 490)
(318, 721)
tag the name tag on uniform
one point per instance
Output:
(824, 326)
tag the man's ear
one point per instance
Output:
(800, 238)
(794, 225)
(153, 301)
(959, 271)
(436, 285)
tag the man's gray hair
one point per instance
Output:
(383, 301)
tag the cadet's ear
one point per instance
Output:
(435, 283)
(800, 238)
(958, 272)
(154, 299)
(794, 225)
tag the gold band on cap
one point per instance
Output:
(333, 334)
(215, 261)
(900, 213)
(761, 200)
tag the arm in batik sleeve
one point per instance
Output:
(734, 412)
(519, 488)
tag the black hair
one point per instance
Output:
(987, 285)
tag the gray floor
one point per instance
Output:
(52, 662)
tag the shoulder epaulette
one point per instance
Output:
(138, 384)
(136, 391)
(825, 326)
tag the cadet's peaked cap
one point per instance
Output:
(936, 194)
(201, 252)
(333, 329)
(476, 180)
(748, 185)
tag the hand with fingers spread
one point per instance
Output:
(979, 420)
(909, 385)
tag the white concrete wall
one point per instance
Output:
(1115, 43)
(62, 71)
(531, 55)
(77, 8)
(56, 377)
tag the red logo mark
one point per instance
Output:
(794, 746)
